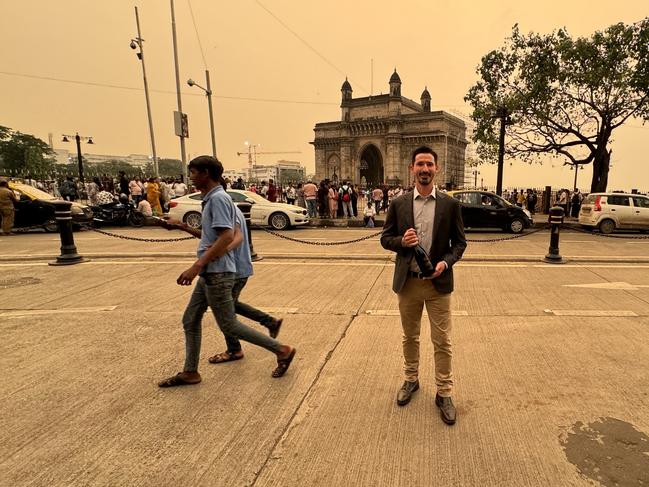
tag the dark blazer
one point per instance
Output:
(448, 238)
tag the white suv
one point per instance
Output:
(608, 211)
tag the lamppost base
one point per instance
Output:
(554, 259)
(69, 260)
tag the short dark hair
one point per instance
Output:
(208, 164)
(4, 183)
(423, 150)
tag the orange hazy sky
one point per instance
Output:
(276, 69)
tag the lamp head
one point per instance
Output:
(190, 82)
(133, 44)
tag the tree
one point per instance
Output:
(563, 96)
(24, 154)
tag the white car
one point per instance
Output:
(609, 211)
(279, 216)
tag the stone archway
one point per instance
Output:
(371, 166)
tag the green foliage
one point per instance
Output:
(565, 96)
(24, 154)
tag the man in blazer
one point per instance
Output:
(433, 219)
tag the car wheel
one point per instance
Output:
(136, 219)
(607, 226)
(279, 221)
(517, 225)
(193, 219)
(51, 226)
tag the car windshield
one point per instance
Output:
(254, 196)
(33, 192)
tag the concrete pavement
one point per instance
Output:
(549, 368)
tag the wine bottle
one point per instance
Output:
(426, 268)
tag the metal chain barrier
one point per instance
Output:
(27, 229)
(630, 237)
(138, 239)
(512, 237)
(367, 237)
(323, 244)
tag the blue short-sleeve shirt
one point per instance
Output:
(218, 214)
(242, 257)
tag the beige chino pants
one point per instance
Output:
(415, 294)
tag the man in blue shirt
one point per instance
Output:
(217, 269)
(243, 262)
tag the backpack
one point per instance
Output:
(346, 196)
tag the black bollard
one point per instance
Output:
(555, 219)
(69, 256)
(246, 208)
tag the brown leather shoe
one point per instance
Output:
(446, 408)
(405, 393)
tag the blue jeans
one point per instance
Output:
(245, 310)
(215, 290)
(312, 207)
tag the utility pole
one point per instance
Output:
(503, 115)
(183, 155)
(139, 42)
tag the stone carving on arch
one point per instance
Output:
(333, 166)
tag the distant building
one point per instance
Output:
(64, 156)
(283, 172)
(376, 136)
(234, 174)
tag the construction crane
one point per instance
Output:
(252, 157)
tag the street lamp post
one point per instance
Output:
(476, 173)
(208, 93)
(78, 138)
(135, 43)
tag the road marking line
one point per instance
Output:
(625, 286)
(589, 312)
(32, 312)
(271, 309)
(395, 312)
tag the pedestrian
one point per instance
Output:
(93, 189)
(311, 197)
(323, 196)
(333, 201)
(136, 189)
(299, 193)
(563, 201)
(123, 184)
(271, 193)
(153, 196)
(520, 199)
(575, 203)
(354, 189)
(243, 262)
(69, 189)
(216, 269)
(532, 199)
(345, 193)
(8, 201)
(180, 188)
(264, 189)
(369, 214)
(439, 236)
(144, 207)
(377, 196)
(291, 194)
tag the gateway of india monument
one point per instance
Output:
(376, 136)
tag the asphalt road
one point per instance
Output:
(549, 360)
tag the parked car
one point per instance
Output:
(483, 209)
(279, 216)
(610, 211)
(34, 207)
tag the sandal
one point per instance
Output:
(177, 380)
(223, 357)
(283, 364)
(274, 328)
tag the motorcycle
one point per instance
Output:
(119, 213)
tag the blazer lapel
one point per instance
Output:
(440, 208)
(408, 210)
